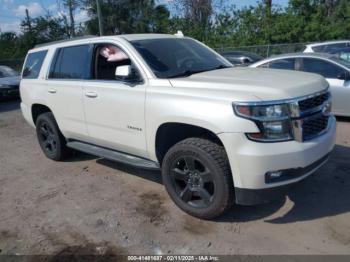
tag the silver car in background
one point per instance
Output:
(335, 70)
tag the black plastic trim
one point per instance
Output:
(293, 173)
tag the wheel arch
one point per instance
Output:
(170, 133)
(38, 109)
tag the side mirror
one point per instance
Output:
(123, 72)
(344, 76)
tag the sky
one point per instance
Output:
(12, 12)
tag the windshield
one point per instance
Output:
(341, 61)
(6, 71)
(172, 57)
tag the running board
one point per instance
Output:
(113, 155)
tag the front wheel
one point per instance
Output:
(197, 176)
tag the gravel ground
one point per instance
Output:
(87, 204)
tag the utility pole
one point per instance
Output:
(28, 21)
(99, 14)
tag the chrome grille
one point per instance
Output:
(314, 126)
(309, 118)
(313, 102)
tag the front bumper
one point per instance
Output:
(248, 197)
(250, 161)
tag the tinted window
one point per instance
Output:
(178, 57)
(33, 64)
(71, 63)
(321, 67)
(287, 64)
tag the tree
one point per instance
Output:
(71, 6)
(124, 16)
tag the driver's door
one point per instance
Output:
(114, 111)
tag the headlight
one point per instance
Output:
(272, 120)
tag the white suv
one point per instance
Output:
(220, 135)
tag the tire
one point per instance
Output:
(50, 138)
(197, 175)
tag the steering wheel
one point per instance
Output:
(188, 63)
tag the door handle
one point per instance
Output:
(91, 94)
(52, 91)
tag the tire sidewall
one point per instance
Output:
(49, 120)
(221, 187)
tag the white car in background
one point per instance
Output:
(327, 47)
(336, 71)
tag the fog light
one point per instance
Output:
(273, 176)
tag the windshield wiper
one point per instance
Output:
(187, 73)
(220, 67)
(191, 72)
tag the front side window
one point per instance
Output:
(107, 58)
(321, 67)
(176, 57)
(33, 64)
(287, 63)
(71, 63)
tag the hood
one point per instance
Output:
(10, 81)
(243, 84)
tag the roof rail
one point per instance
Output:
(64, 40)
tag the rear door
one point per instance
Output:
(339, 88)
(70, 65)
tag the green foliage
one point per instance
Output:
(218, 23)
(128, 16)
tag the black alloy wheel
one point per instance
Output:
(197, 176)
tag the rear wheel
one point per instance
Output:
(50, 138)
(197, 176)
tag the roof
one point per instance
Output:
(328, 42)
(319, 55)
(128, 37)
(64, 41)
(135, 37)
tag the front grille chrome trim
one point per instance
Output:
(300, 117)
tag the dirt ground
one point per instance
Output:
(88, 204)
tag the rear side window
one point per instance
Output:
(33, 64)
(71, 63)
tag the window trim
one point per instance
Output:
(54, 60)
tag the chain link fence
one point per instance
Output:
(266, 50)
